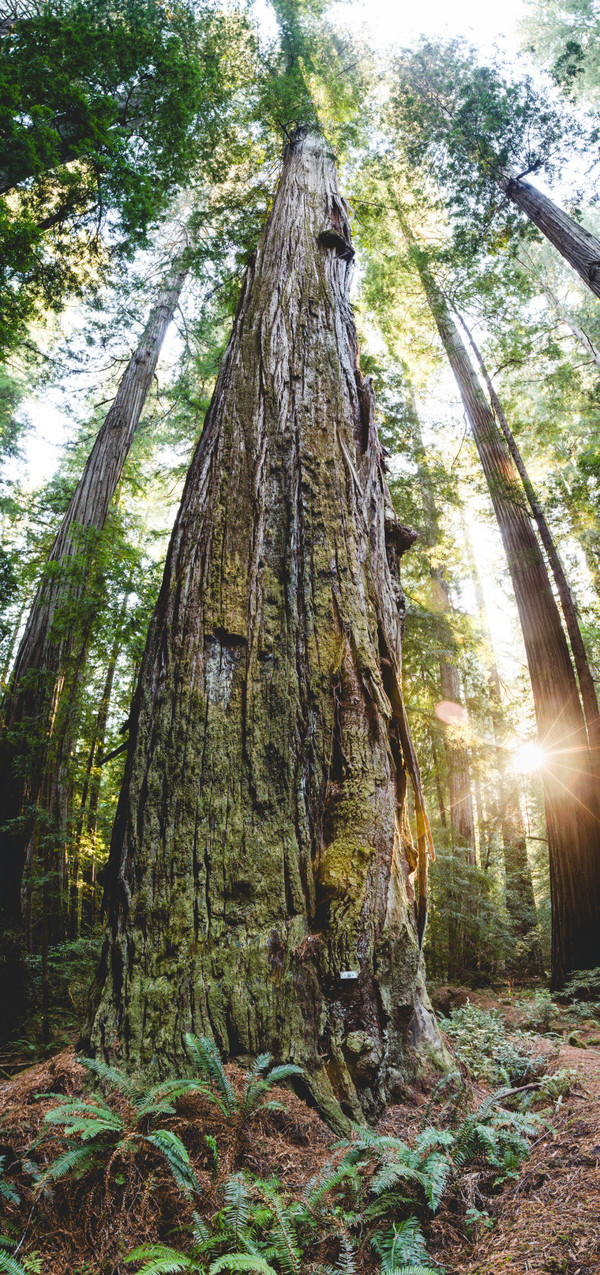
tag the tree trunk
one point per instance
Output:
(461, 904)
(519, 896)
(260, 884)
(570, 796)
(91, 783)
(576, 245)
(584, 674)
(34, 729)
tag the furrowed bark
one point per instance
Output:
(261, 848)
(572, 812)
(587, 686)
(35, 726)
(576, 245)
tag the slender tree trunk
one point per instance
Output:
(584, 674)
(461, 905)
(438, 782)
(576, 245)
(260, 879)
(519, 895)
(457, 754)
(570, 793)
(52, 649)
(91, 783)
(13, 642)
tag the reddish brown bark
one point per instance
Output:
(571, 797)
(261, 849)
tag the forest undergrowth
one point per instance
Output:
(494, 1168)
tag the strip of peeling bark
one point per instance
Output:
(260, 884)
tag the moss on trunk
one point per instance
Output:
(260, 850)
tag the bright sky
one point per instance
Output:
(395, 22)
(389, 22)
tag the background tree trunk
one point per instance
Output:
(576, 245)
(260, 846)
(462, 945)
(570, 794)
(37, 710)
(519, 895)
(587, 687)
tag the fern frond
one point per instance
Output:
(178, 1160)
(111, 1075)
(403, 1243)
(81, 1156)
(286, 1248)
(368, 1144)
(241, 1262)
(416, 1270)
(86, 1117)
(391, 1173)
(8, 1264)
(158, 1259)
(436, 1171)
(431, 1139)
(328, 1180)
(203, 1240)
(206, 1058)
(7, 1190)
(346, 1263)
(261, 1064)
(386, 1205)
(159, 1100)
(237, 1207)
(284, 1072)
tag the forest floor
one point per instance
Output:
(544, 1220)
(547, 1222)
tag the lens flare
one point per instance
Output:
(528, 757)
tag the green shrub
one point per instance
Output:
(483, 1044)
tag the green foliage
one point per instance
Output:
(402, 1246)
(259, 1080)
(9, 1264)
(493, 1136)
(565, 36)
(472, 124)
(96, 1133)
(106, 109)
(7, 1190)
(363, 1194)
(313, 75)
(482, 1043)
(584, 985)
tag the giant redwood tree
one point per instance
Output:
(262, 885)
